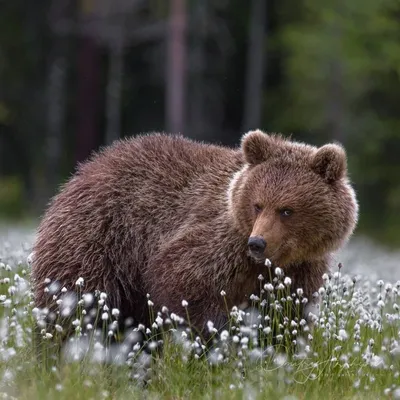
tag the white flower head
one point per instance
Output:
(269, 287)
(104, 316)
(103, 296)
(29, 259)
(80, 281)
(115, 312)
(343, 335)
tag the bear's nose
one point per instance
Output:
(257, 245)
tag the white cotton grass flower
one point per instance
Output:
(114, 312)
(59, 387)
(184, 303)
(343, 335)
(80, 281)
(267, 330)
(280, 359)
(88, 299)
(224, 335)
(381, 304)
(54, 287)
(30, 258)
(11, 290)
(267, 263)
(269, 287)
(104, 316)
(103, 296)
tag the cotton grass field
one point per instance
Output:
(350, 350)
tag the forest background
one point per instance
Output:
(77, 74)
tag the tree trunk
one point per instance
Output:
(176, 67)
(56, 92)
(88, 95)
(255, 66)
(55, 101)
(335, 95)
(198, 66)
(114, 87)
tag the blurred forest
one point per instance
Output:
(78, 74)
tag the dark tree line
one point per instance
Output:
(78, 74)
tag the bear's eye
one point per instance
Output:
(257, 208)
(285, 212)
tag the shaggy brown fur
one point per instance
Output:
(172, 217)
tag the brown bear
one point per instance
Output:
(182, 220)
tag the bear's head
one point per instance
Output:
(293, 201)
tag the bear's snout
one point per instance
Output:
(257, 246)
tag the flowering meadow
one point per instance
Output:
(348, 348)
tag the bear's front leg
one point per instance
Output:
(183, 277)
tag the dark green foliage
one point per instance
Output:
(332, 73)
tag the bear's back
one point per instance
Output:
(110, 216)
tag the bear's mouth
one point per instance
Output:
(274, 259)
(257, 258)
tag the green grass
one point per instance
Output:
(352, 350)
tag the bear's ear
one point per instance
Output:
(256, 146)
(330, 162)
